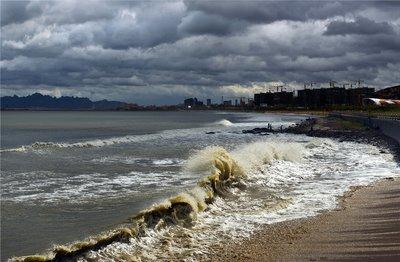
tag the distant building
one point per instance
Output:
(325, 97)
(250, 102)
(283, 98)
(263, 99)
(227, 103)
(208, 102)
(355, 96)
(322, 97)
(273, 99)
(315, 98)
(192, 103)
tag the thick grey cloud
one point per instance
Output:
(270, 11)
(163, 51)
(16, 12)
(361, 26)
(199, 23)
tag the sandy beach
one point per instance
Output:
(365, 227)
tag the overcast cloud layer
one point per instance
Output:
(163, 51)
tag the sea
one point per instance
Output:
(175, 183)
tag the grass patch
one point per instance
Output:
(341, 124)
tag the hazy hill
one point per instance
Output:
(39, 101)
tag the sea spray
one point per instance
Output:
(226, 174)
(256, 155)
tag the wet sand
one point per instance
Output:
(365, 227)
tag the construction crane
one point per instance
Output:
(277, 88)
(309, 84)
(358, 82)
(346, 84)
(332, 83)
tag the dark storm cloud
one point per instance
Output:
(270, 11)
(361, 26)
(199, 23)
(16, 12)
(163, 51)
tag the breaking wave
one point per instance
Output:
(167, 134)
(138, 161)
(86, 144)
(224, 122)
(225, 176)
(101, 142)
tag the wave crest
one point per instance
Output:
(225, 172)
(224, 122)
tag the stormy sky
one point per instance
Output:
(159, 52)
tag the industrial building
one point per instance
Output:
(315, 98)
(326, 97)
(273, 99)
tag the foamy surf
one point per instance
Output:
(224, 178)
(97, 143)
(259, 183)
(56, 188)
(127, 160)
(224, 122)
(85, 144)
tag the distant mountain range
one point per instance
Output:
(45, 102)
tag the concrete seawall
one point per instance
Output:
(389, 127)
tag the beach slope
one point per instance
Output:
(365, 227)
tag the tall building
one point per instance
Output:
(355, 96)
(317, 97)
(192, 102)
(227, 103)
(208, 102)
(323, 97)
(273, 99)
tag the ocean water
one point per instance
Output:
(177, 182)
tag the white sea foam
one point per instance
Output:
(57, 187)
(130, 160)
(168, 162)
(168, 134)
(224, 122)
(284, 181)
(102, 142)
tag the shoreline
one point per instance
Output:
(364, 226)
(335, 127)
